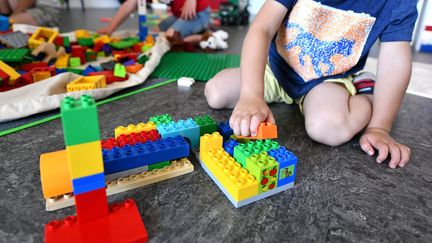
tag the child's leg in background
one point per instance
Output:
(223, 90)
(332, 116)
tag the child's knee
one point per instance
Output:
(213, 93)
(332, 130)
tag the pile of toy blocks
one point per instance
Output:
(29, 58)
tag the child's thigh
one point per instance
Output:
(194, 26)
(167, 23)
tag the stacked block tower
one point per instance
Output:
(95, 220)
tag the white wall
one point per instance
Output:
(94, 3)
(255, 5)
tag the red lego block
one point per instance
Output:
(78, 50)
(123, 224)
(137, 47)
(130, 139)
(109, 76)
(98, 46)
(4, 77)
(30, 66)
(91, 205)
(58, 41)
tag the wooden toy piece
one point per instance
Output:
(49, 50)
(266, 130)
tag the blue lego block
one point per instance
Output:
(225, 130)
(130, 157)
(142, 26)
(88, 183)
(287, 165)
(229, 145)
(20, 71)
(426, 48)
(60, 70)
(89, 69)
(185, 128)
(129, 62)
(107, 49)
(4, 23)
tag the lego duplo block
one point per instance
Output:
(58, 41)
(89, 69)
(287, 165)
(229, 146)
(28, 67)
(4, 77)
(4, 23)
(81, 33)
(40, 75)
(123, 224)
(265, 169)
(134, 68)
(62, 61)
(109, 76)
(244, 151)
(129, 157)
(12, 54)
(16, 39)
(235, 179)
(79, 120)
(90, 56)
(149, 40)
(161, 119)
(74, 70)
(143, 58)
(86, 83)
(13, 75)
(85, 159)
(54, 174)
(119, 70)
(141, 137)
(160, 165)
(209, 142)
(140, 127)
(91, 205)
(86, 42)
(225, 130)
(74, 62)
(266, 130)
(66, 41)
(42, 35)
(185, 128)
(88, 183)
(206, 124)
(104, 39)
(125, 43)
(125, 173)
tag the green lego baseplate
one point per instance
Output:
(200, 66)
(13, 55)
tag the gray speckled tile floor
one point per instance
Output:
(341, 194)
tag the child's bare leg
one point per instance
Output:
(332, 116)
(223, 90)
(24, 18)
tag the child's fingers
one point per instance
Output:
(271, 118)
(382, 152)
(366, 146)
(257, 118)
(395, 154)
(245, 125)
(405, 155)
(235, 124)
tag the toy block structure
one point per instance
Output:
(186, 128)
(95, 220)
(255, 179)
(42, 35)
(86, 83)
(206, 124)
(265, 131)
(130, 139)
(131, 128)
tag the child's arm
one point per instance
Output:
(189, 10)
(251, 108)
(125, 9)
(393, 75)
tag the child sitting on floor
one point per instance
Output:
(190, 17)
(311, 52)
(32, 12)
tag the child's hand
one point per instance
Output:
(380, 139)
(189, 10)
(105, 30)
(248, 114)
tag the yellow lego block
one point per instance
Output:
(62, 61)
(13, 75)
(41, 75)
(140, 127)
(208, 142)
(87, 83)
(236, 180)
(85, 159)
(42, 35)
(103, 38)
(82, 34)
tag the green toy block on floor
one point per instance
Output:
(159, 165)
(206, 124)
(244, 151)
(265, 169)
(79, 115)
(66, 42)
(119, 70)
(90, 56)
(161, 119)
(74, 62)
(86, 42)
(13, 55)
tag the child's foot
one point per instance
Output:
(364, 82)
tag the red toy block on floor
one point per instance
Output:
(109, 76)
(30, 66)
(91, 205)
(265, 131)
(123, 224)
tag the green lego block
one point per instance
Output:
(74, 70)
(159, 165)
(74, 62)
(90, 56)
(145, 48)
(244, 151)
(119, 70)
(101, 54)
(86, 42)
(66, 41)
(125, 43)
(143, 59)
(13, 55)
(265, 169)
(207, 124)
(79, 120)
(161, 119)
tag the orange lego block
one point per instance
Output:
(54, 171)
(41, 75)
(140, 127)
(266, 130)
(87, 83)
(134, 68)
